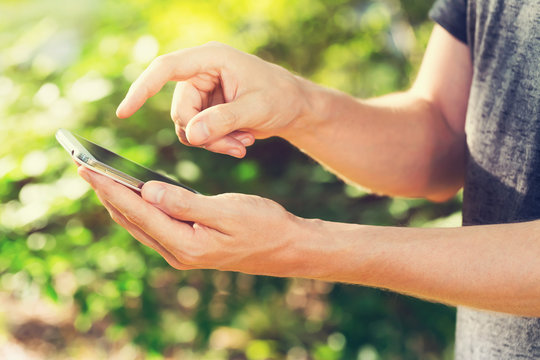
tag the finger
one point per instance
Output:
(185, 205)
(139, 212)
(187, 102)
(181, 134)
(223, 119)
(180, 65)
(246, 138)
(227, 145)
(136, 232)
(217, 96)
(143, 237)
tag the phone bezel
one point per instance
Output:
(83, 157)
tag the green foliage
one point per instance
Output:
(68, 64)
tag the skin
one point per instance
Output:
(405, 144)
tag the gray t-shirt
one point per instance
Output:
(502, 182)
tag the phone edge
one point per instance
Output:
(76, 150)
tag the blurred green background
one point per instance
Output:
(75, 285)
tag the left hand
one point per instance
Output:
(232, 232)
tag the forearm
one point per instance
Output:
(493, 267)
(398, 144)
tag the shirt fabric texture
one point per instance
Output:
(502, 181)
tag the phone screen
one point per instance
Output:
(124, 165)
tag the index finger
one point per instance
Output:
(177, 66)
(148, 218)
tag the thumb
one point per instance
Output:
(220, 120)
(182, 204)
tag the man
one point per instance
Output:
(471, 119)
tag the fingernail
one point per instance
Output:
(247, 141)
(235, 152)
(199, 133)
(154, 193)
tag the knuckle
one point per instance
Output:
(175, 115)
(178, 208)
(227, 197)
(194, 253)
(178, 129)
(267, 206)
(162, 63)
(183, 139)
(188, 257)
(219, 49)
(257, 201)
(161, 60)
(215, 44)
(181, 134)
(145, 90)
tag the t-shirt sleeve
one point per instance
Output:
(451, 15)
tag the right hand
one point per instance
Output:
(224, 98)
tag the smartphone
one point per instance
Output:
(108, 163)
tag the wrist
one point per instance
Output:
(307, 248)
(310, 110)
(328, 251)
(339, 252)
